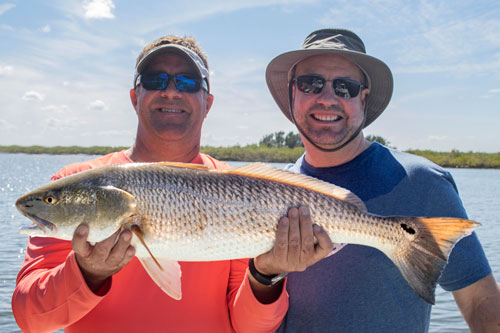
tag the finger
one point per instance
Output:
(280, 248)
(293, 238)
(79, 242)
(129, 254)
(325, 244)
(103, 248)
(270, 262)
(119, 251)
(306, 235)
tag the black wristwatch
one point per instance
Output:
(267, 280)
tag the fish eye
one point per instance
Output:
(50, 199)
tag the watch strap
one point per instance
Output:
(267, 280)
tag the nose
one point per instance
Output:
(327, 96)
(170, 91)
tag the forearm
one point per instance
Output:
(480, 305)
(47, 299)
(485, 317)
(265, 294)
(247, 313)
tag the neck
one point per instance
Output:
(321, 159)
(163, 151)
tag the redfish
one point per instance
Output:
(187, 212)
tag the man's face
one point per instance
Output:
(327, 119)
(170, 114)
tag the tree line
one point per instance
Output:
(279, 148)
(280, 140)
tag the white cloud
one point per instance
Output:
(98, 105)
(46, 28)
(494, 91)
(110, 133)
(7, 27)
(61, 124)
(5, 7)
(437, 138)
(33, 96)
(5, 125)
(426, 36)
(99, 9)
(56, 109)
(5, 70)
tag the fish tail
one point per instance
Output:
(422, 260)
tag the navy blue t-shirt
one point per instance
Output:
(359, 289)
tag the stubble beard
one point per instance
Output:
(325, 135)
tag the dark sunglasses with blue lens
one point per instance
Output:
(160, 81)
(342, 86)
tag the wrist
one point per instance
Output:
(267, 280)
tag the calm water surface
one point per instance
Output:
(22, 173)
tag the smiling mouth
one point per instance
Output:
(325, 118)
(167, 110)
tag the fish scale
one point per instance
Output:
(191, 213)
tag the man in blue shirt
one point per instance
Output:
(331, 89)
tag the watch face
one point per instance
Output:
(278, 278)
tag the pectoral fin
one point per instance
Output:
(166, 274)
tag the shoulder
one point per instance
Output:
(417, 167)
(214, 163)
(431, 187)
(109, 159)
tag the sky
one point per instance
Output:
(66, 66)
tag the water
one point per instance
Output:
(22, 173)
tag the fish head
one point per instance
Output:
(57, 209)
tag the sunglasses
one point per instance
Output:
(183, 82)
(343, 87)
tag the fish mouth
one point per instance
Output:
(40, 224)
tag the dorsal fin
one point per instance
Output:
(186, 165)
(269, 172)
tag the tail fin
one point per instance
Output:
(430, 243)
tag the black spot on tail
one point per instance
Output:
(408, 229)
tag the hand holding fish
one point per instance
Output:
(100, 261)
(295, 249)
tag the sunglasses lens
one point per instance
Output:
(346, 88)
(154, 81)
(187, 84)
(310, 84)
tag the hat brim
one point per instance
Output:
(379, 76)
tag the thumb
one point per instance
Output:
(325, 244)
(79, 242)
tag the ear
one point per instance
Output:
(208, 103)
(364, 97)
(133, 98)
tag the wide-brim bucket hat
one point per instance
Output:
(333, 41)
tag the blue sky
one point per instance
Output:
(66, 66)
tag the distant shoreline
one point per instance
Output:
(255, 153)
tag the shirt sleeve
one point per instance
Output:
(467, 263)
(50, 292)
(247, 313)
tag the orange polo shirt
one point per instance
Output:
(51, 292)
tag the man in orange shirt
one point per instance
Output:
(103, 287)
